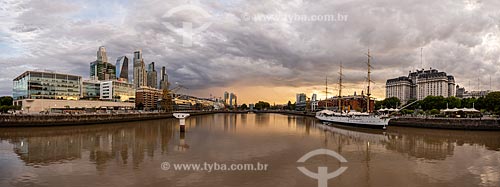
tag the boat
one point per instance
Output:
(353, 118)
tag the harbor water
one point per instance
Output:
(146, 153)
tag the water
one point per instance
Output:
(131, 154)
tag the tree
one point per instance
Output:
(492, 102)
(433, 102)
(262, 105)
(6, 101)
(139, 106)
(453, 102)
(392, 102)
(243, 107)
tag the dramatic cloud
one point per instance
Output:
(258, 59)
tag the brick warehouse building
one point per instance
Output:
(148, 97)
(354, 102)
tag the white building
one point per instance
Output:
(420, 84)
(117, 91)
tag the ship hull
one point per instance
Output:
(365, 122)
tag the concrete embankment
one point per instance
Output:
(297, 113)
(448, 123)
(80, 119)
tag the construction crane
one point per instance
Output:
(167, 101)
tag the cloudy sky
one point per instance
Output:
(269, 58)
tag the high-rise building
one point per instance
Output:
(420, 84)
(226, 98)
(101, 69)
(300, 101)
(140, 75)
(164, 79)
(233, 101)
(152, 76)
(122, 68)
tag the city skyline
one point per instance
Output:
(245, 57)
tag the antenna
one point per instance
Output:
(490, 82)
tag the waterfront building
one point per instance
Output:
(226, 98)
(164, 79)
(117, 91)
(300, 101)
(50, 105)
(101, 69)
(140, 75)
(91, 90)
(122, 68)
(152, 80)
(46, 85)
(314, 102)
(147, 97)
(420, 84)
(233, 100)
(349, 103)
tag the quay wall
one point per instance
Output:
(448, 123)
(81, 119)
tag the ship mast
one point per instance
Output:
(368, 94)
(340, 89)
(326, 92)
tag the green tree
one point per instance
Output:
(392, 102)
(243, 107)
(261, 105)
(6, 101)
(433, 102)
(453, 102)
(492, 102)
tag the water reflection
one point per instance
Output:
(102, 153)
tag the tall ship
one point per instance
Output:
(354, 118)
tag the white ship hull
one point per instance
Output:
(369, 121)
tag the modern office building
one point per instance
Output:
(117, 91)
(164, 85)
(101, 69)
(122, 68)
(226, 98)
(420, 84)
(140, 75)
(46, 85)
(233, 100)
(147, 97)
(459, 92)
(91, 90)
(152, 76)
(300, 101)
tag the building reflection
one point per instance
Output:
(126, 142)
(131, 143)
(427, 144)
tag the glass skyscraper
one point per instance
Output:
(122, 68)
(152, 76)
(101, 69)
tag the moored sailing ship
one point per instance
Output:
(362, 119)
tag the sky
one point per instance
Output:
(268, 59)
